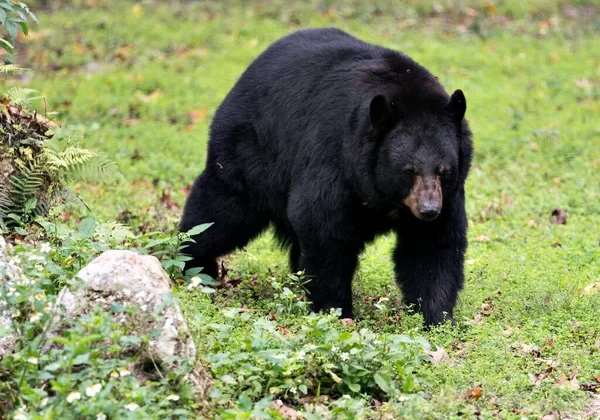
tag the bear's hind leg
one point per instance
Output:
(235, 222)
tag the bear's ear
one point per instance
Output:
(381, 113)
(457, 105)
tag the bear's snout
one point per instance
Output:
(425, 198)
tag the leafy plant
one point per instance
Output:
(170, 249)
(37, 159)
(14, 16)
(82, 373)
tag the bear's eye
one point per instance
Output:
(442, 170)
(410, 170)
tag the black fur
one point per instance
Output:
(322, 136)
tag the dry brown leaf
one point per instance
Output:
(490, 8)
(536, 380)
(559, 217)
(526, 349)
(592, 289)
(336, 378)
(567, 383)
(78, 48)
(439, 356)
(479, 319)
(122, 53)
(136, 9)
(141, 96)
(475, 393)
(286, 411)
(593, 411)
(196, 115)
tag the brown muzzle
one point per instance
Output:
(425, 198)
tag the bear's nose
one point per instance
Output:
(429, 212)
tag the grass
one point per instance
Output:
(144, 80)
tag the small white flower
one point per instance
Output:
(293, 390)
(334, 349)
(47, 307)
(124, 372)
(43, 402)
(301, 354)
(41, 297)
(46, 248)
(73, 396)
(344, 356)
(173, 397)
(100, 416)
(132, 406)
(194, 282)
(32, 360)
(20, 415)
(310, 347)
(90, 391)
(35, 317)
(114, 375)
(354, 350)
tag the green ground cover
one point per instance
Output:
(144, 81)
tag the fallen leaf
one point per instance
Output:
(591, 387)
(286, 411)
(78, 48)
(439, 356)
(141, 96)
(526, 349)
(347, 321)
(490, 8)
(136, 9)
(336, 378)
(123, 52)
(479, 319)
(475, 393)
(196, 115)
(536, 380)
(591, 289)
(567, 383)
(593, 411)
(559, 217)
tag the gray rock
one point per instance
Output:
(9, 273)
(131, 279)
(7, 342)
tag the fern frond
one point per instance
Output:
(9, 68)
(97, 169)
(21, 95)
(5, 202)
(29, 181)
(68, 158)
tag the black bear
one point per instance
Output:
(333, 141)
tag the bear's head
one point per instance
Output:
(418, 152)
